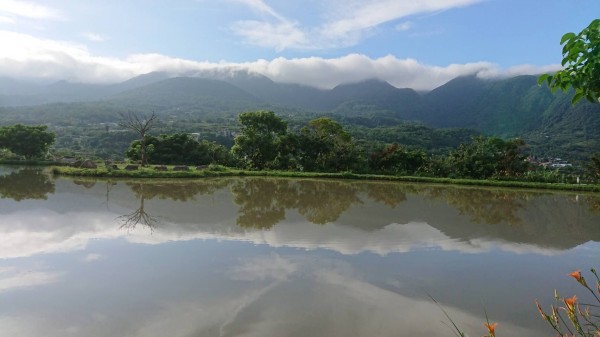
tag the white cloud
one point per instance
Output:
(404, 26)
(6, 20)
(518, 70)
(30, 10)
(348, 22)
(262, 8)
(280, 35)
(277, 32)
(36, 58)
(94, 37)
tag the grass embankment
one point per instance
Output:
(32, 162)
(219, 171)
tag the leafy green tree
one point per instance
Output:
(485, 157)
(581, 64)
(27, 141)
(257, 144)
(397, 159)
(593, 167)
(324, 145)
(179, 149)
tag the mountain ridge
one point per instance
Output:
(511, 107)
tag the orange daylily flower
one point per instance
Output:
(570, 303)
(577, 275)
(491, 328)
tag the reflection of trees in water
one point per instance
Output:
(177, 191)
(260, 202)
(26, 184)
(593, 203)
(483, 205)
(263, 202)
(321, 202)
(85, 183)
(389, 194)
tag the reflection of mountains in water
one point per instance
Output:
(266, 207)
(551, 220)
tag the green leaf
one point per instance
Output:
(566, 37)
(542, 78)
(578, 95)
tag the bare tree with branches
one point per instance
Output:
(140, 124)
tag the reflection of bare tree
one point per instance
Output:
(174, 190)
(109, 185)
(26, 184)
(139, 216)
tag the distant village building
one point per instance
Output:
(550, 162)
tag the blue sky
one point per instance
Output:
(410, 43)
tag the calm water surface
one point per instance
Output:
(281, 257)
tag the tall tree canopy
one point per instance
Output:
(179, 148)
(326, 146)
(256, 146)
(27, 141)
(485, 157)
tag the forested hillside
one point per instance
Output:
(508, 108)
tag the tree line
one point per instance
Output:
(265, 142)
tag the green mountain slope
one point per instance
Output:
(186, 92)
(511, 107)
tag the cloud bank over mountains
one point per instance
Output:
(35, 49)
(34, 58)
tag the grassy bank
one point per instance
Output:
(220, 171)
(28, 162)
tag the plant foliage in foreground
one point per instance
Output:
(567, 316)
(581, 319)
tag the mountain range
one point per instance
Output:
(510, 107)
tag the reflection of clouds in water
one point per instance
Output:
(330, 298)
(274, 268)
(589, 249)
(41, 232)
(393, 238)
(92, 257)
(327, 299)
(275, 296)
(14, 278)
